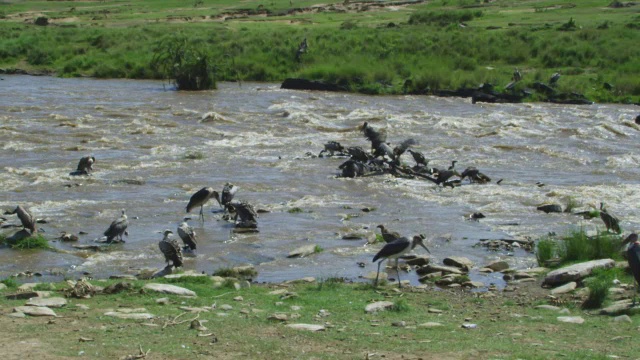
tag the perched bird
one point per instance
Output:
(419, 158)
(633, 258)
(245, 215)
(388, 236)
(444, 176)
(26, 218)
(117, 228)
(394, 250)
(554, 79)
(85, 166)
(610, 221)
(228, 192)
(453, 165)
(400, 149)
(170, 249)
(376, 137)
(199, 199)
(474, 175)
(188, 236)
(516, 75)
(332, 147)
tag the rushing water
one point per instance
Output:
(259, 139)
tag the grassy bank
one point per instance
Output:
(371, 49)
(508, 326)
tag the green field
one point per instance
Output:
(370, 47)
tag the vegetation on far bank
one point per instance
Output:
(378, 50)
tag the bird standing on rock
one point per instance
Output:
(117, 228)
(26, 219)
(170, 249)
(188, 236)
(245, 215)
(85, 166)
(394, 250)
(199, 199)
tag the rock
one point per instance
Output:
(568, 287)
(185, 275)
(434, 311)
(564, 311)
(41, 21)
(307, 280)
(473, 284)
(226, 307)
(35, 310)
(523, 275)
(550, 208)
(485, 270)
(303, 251)
(2, 286)
(459, 262)
(17, 314)
(129, 316)
(378, 306)
(399, 323)
(547, 307)
(576, 272)
(162, 301)
(623, 318)
(372, 275)
(22, 295)
(498, 265)
(82, 307)
(54, 302)
(438, 268)
(571, 319)
(238, 298)
(621, 307)
(169, 289)
(278, 292)
(417, 260)
(278, 317)
(308, 327)
(123, 277)
(429, 325)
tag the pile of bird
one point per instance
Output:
(385, 159)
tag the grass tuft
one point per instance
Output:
(295, 210)
(599, 284)
(203, 280)
(577, 246)
(37, 241)
(10, 282)
(401, 305)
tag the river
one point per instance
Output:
(153, 150)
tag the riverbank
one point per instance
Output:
(374, 48)
(232, 319)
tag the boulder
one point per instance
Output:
(54, 302)
(548, 307)
(568, 287)
(35, 310)
(550, 208)
(498, 265)
(417, 260)
(303, 251)
(576, 272)
(308, 327)
(439, 268)
(378, 306)
(460, 262)
(571, 319)
(169, 289)
(620, 308)
(129, 316)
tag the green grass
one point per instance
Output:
(425, 49)
(295, 210)
(10, 282)
(37, 241)
(577, 246)
(599, 284)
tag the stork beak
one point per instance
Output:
(631, 238)
(425, 247)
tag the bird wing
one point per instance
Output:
(117, 227)
(633, 257)
(171, 251)
(199, 198)
(187, 235)
(400, 149)
(376, 137)
(392, 248)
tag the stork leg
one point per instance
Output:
(635, 294)
(202, 212)
(378, 273)
(398, 272)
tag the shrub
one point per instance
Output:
(599, 284)
(545, 251)
(183, 61)
(10, 282)
(443, 18)
(400, 305)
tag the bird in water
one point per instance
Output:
(633, 258)
(170, 249)
(388, 236)
(188, 236)
(85, 166)
(26, 219)
(199, 199)
(117, 228)
(610, 221)
(394, 250)
(228, 192)
(245, 215)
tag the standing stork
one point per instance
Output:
(188, 236)
(199, 199)
(117, 228)
(170, 249)
(394, 250)
(633, 258)
(26, 218)
(610, 221)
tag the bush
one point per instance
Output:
(545, 251)
(577, 246)
(10, 282)
(599, 284)
(443, 18)
(400, 305)
(183, 61)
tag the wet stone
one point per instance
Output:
(54, 302)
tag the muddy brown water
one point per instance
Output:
(155, 147)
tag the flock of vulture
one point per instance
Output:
(384, 159)
(241, 213)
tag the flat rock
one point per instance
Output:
(308, 327)
(623, 318)
(439, 268)
(22, 295)
(54, 302)
(2, 286)
(35, 310)
(547, 307)
(185, 275)
(17, 314)
(458, 261)
(568, 287)
(571, 319)
(473, 284)
(308, 279)
(576, 272)
(169, 289)
(430, 325)
(498, 265)
(123, 277)
(619, 308)
(372, 276)
(129, 316)
(303, 251)
(417, 260)
(378, 306)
